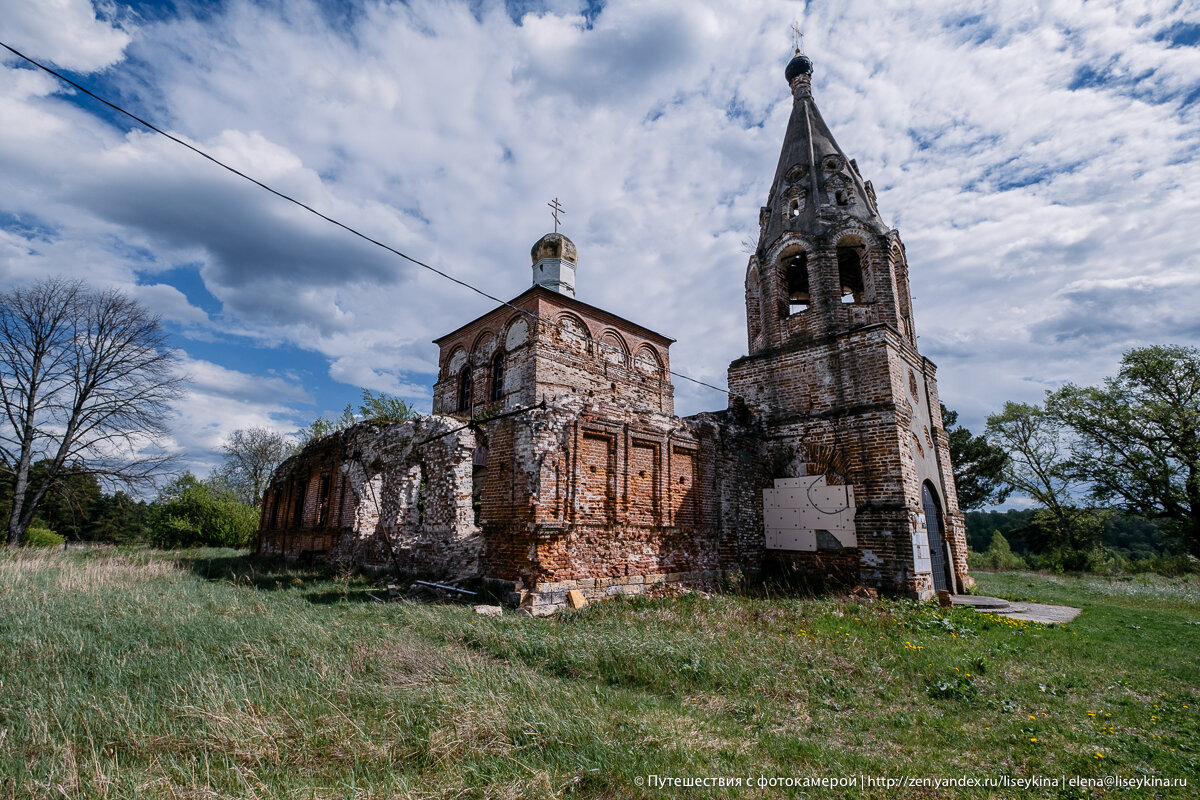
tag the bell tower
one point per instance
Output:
(834, 375)
(826, 262)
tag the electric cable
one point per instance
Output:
(348, 228)
(311, 210)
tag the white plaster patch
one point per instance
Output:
(646, 361)
(518, 334)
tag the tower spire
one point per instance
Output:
(815, 184)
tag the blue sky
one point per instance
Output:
(1039, 162)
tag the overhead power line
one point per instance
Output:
(310, 209)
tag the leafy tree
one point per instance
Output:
(189, 512)
(1041, 467)
(1138, 436)
(1013, 524)
(998, 556)
(251, 455)
(385, 408)
(978, 466)
(86, 380)
(321, 426)
(120, 519)
(66, 506)
(382, 408)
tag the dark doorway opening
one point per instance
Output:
(935, 527)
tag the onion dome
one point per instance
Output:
(799, 65)
(553, 245)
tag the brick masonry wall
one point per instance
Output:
(565, 347)
(862, 408)
(398, 493)
(601, 496)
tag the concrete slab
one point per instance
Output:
(1028, 612)
(1041, 612)
(979, 602)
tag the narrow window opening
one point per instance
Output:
(465, 386)
(796, 270)
(795, 204)
(298, 505)
(842, 196)
(850, 274)
(276, 497)
(323, 501)
(498, 377)
(478, 478)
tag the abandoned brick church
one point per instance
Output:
(554, 460)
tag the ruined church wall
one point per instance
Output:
(828, 408)
(861, 408)
(600, 497)
(374, 493)
(551, 349)
(475, 346)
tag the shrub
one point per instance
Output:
(192, 513)
(1170, 566)
(999, 556)
(42, 537)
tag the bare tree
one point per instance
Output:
(251, 455)
(86, 380)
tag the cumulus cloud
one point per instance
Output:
(1038, 161)
(71, 33)
(219, 401)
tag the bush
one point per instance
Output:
(999, 556)
(193, 513)
(42, 537)
(1102, 561)
(1170, 566)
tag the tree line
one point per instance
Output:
(87, 383)
(1112, 471)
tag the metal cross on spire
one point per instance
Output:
(797, 37)
(558, 209)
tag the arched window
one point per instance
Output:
(574, 333)
(498, 376)
(647, 361)
(276, 499)
(850, 275)
(465, 387)
(612, 349)
(796, 273)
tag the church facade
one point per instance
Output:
(554, 461)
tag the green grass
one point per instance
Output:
(208, 674)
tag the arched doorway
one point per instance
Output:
(935, 526)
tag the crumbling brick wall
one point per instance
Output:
(599, 496)
(548, 346)
(580, 493)
(379, 495)
(862, 409)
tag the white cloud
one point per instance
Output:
(1038, 160)
(67, 32)
(219, 401)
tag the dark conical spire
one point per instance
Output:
(815, 183)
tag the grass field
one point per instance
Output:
(208, 674)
